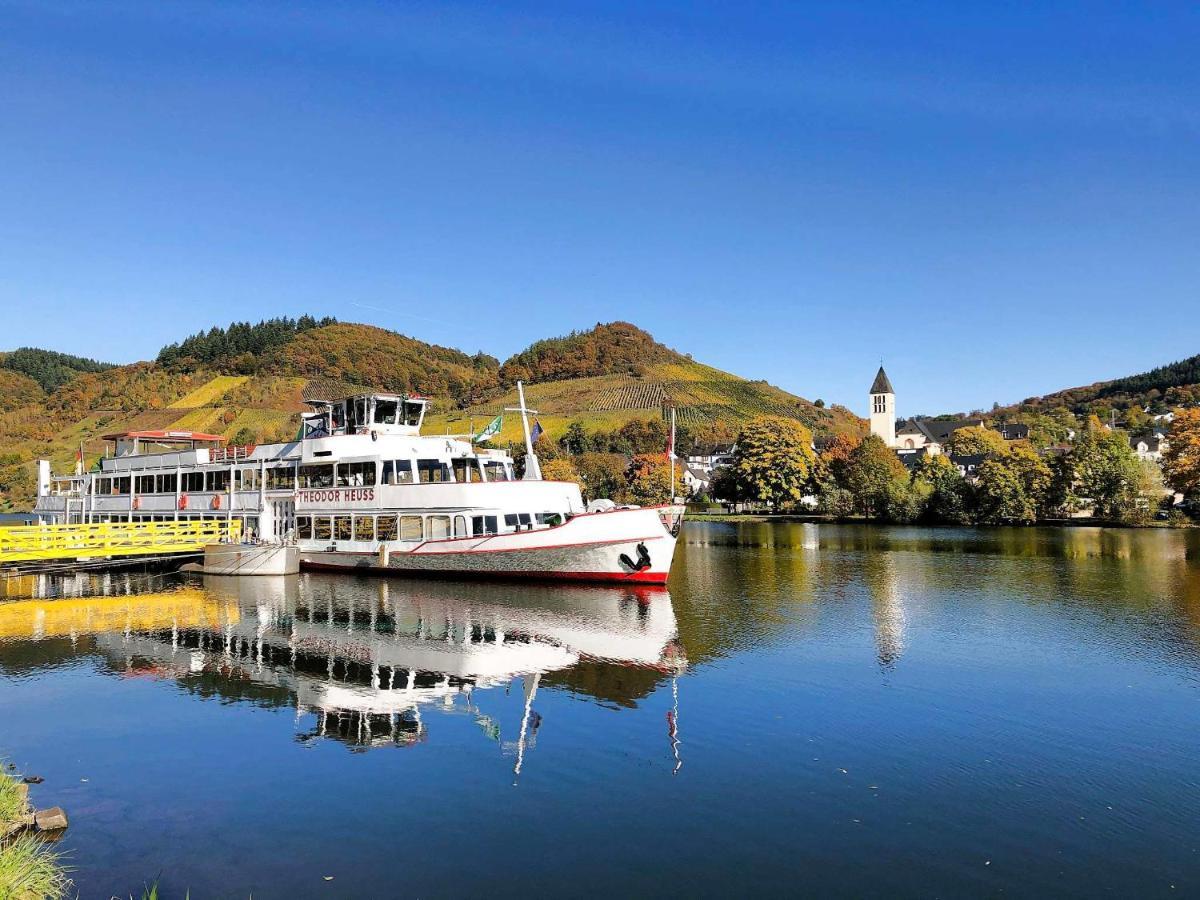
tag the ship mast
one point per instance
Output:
(533, 471)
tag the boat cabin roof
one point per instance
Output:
(167, 437)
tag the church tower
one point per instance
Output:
(883, 408)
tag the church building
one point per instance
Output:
(914, 435)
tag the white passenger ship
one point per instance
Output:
(363, 489)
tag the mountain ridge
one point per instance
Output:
(249, 383)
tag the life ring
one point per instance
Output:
(183, 501)
(137, 502)
(216, 502)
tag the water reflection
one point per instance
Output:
(363, 661)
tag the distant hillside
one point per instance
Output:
(614, 349)
(49, 368)
(1161, 389)
(249, 383)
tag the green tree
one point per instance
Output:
(1106, 471)
(949, 498)
(774, 460)
(723, 485)
(1013, 486)
(871, 473)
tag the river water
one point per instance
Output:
(809, 709)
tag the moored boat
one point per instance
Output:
(361, 488)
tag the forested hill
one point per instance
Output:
(248, 382)
(48, 368)
(1173, 385)
(618, 348)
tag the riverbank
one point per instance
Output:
(815, 519)
(28, 869)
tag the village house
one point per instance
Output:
(926, 435)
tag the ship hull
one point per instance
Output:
(626, 546)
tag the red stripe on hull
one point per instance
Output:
(641, 578)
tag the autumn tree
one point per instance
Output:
(976, 441)
(562, 469)
(602, 475)
(871, 473)
(1181, 459)
(773, 460)
(648, 479)
(723, 485)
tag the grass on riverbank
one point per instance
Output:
(28, 870)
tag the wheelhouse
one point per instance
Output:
(366, 414)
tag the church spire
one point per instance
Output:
(882, 384)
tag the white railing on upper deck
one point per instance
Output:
(230, 454)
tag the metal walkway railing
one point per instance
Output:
(29, 543)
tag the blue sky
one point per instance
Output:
(997, 199)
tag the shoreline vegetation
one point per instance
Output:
(29, 869)
(794, 518)
(776, 470)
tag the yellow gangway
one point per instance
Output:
(31, 543)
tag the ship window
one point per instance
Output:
(304, 528)
(432, 470)
(460, 526)
(386, 411)
(322, 530)
(549, 519)
(145, 484)
(121, 485)
(193, 481)
(398, 472)
(483, 525)
(410, 528)
(165, 484)
(102, 485)
(316, 476)
(246, 479)
(216, 481)
(412, 413)
(281, 478)
(341, 528)
(525, 520)
(387, 528)
(356, 474)
(510, 520)
(439, 528)
(496, 471)
(364, 528)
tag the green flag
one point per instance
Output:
(492, 429)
